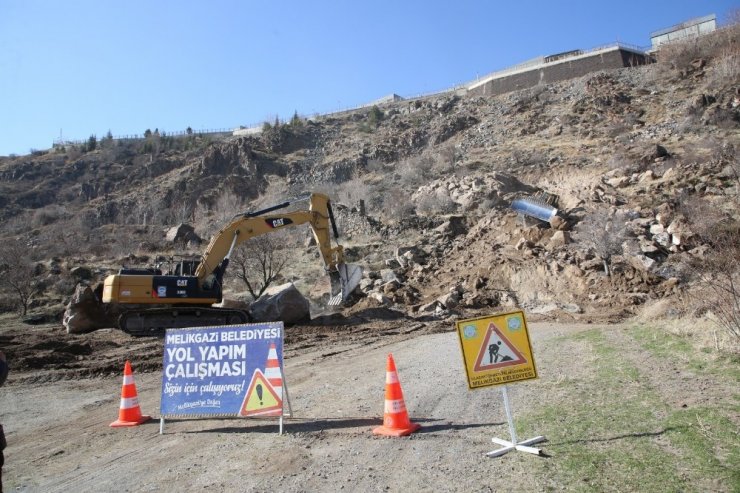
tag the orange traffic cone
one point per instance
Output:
(395, 418)
(129, 413)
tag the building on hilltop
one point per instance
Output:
(689, 29)
(391, 98)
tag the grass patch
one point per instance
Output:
(710, 441)
(679, 348)
(608, 430)
(661, 343)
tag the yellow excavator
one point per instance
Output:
(152, 301)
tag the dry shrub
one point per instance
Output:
(209, 220)
(717, 272)
(65, 286)
(604, 233)
(619, 161)
(676, 57)
(259, 262)
(445, 158)
(17, 279)
(617, 128)
(353, 191)
(397, 205)
(181, 212)
(414, 170)
(436, 202)
(376, 166)
(718, 279)
(277, 191)
(725, 70)
(73, 153)
(48, 215)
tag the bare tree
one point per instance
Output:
(181, 212)
(17, 272)
(603, 232)
(259, 262)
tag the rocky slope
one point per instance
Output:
(643, 153)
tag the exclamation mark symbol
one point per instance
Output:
(259, 393)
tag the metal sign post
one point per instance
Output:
(496, 351)
(514, 444)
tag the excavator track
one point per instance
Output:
(153, 322)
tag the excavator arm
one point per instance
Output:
(251, 224)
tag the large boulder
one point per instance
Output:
(558, 239)
(453, 226)
(81, 273)
(182, 233)
(86, 313)
(283, 303)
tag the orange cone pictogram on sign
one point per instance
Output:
(272, 371)
(395, 418)
(129, 413)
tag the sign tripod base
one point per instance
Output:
(514, 444)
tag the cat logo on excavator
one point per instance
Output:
(278, 222)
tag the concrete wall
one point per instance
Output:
(576, 66)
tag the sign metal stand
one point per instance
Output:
(514, 444)
(496, 351)
(290, 408)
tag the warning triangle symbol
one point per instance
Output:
(497, 351)
(261, 398)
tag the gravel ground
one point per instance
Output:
(59, 439)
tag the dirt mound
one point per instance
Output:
(48, 353)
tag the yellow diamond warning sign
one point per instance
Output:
(496, 349)
(261, 398)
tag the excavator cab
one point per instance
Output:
(180, 266)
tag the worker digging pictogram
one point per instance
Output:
(497, 351)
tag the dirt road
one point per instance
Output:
(60, 440)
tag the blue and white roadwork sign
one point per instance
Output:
(222, 370)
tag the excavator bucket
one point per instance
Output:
(346, 278)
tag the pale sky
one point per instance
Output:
(84, 67)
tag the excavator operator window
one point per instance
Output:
(186, 267)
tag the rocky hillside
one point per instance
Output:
(641, 163)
